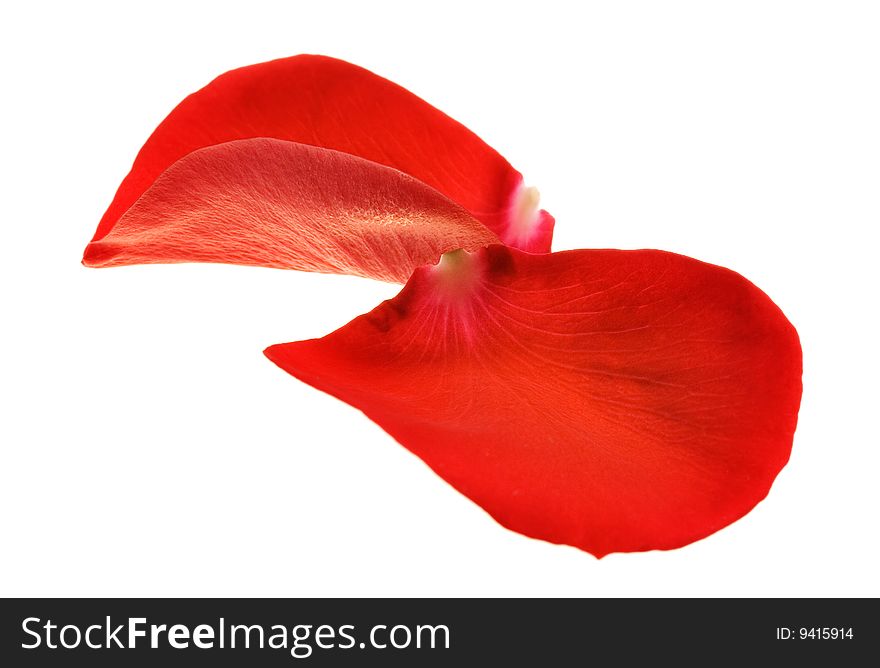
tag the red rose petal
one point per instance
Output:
(281, 204)
(332, 104)
(612, 400)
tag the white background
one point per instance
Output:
(148, 448)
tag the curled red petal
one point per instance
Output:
(612, 400)
(281, 204)
(333, 104)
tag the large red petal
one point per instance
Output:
(281, 204)
(332, 104)
(612, 400)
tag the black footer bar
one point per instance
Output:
(428, 632)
